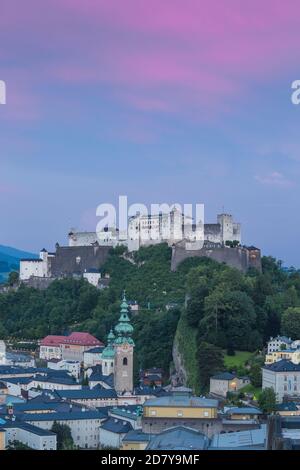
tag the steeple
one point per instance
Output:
(124, 329)
(123, 346)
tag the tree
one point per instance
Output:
(64, 436)
(290, 323)
(210, 361)
(255, 375)
(267, 400)
(85, 380)
(229, 317)
(13, 278)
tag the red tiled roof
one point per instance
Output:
(84, 339)
(52, 340)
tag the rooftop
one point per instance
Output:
(224, 376)
(178, 438)
(83, 339)
(87, 393)
(184, 401)
(283, 366)
(118, 426)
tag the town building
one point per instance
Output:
(84, 424)
(2, 352)
(112, 431)
(221, 384)
(180, 408)
(284, 377)
(72, 367)
(150, 377)
(93, 398)
(288, 408)
(135, 440)
(31, 436)
(92, 357)
(252, 439)
(179, 438)
(2, 438)
(279, 343)
(292, 355)
(69, 348)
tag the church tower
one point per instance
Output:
(124, 346)
(108, 355)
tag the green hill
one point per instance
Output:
(214, 309)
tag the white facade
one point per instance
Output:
(50, 352)
(110, 439)
(91, 359)
(35, 267)
(275, 344)
(53, 385)
(31, 437)
(72, 367)
(283, 383)
(169, 227)
(92, 277)
(2, 353)
(85, 432)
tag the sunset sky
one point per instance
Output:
(184, 101)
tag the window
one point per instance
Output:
(125, 361)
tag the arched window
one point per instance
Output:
(125, 362)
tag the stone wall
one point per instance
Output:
(70, 260)
(241, 258)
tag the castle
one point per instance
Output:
(172, 227)
(88, 251)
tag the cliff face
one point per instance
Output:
(185, 356)
(179, 377)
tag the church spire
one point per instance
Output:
(124, 329)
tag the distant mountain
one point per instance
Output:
(10, 260)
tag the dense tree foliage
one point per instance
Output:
(210, 361)
(63, 436)
(267, 400)
(291, 322)
(218, 306)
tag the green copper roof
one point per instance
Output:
(110, 337)
(123, 340)
(124, 329)
(108, 352)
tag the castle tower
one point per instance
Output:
(108, 355)
(124, 346)
(226, 223)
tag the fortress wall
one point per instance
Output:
(238, 258)
(77, 259)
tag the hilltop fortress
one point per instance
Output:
(87, 251)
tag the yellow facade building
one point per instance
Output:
(2, 439)
(292, 355)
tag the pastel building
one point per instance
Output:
(180, 409)
(284, 377)
(69, 348)
(221, 384)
